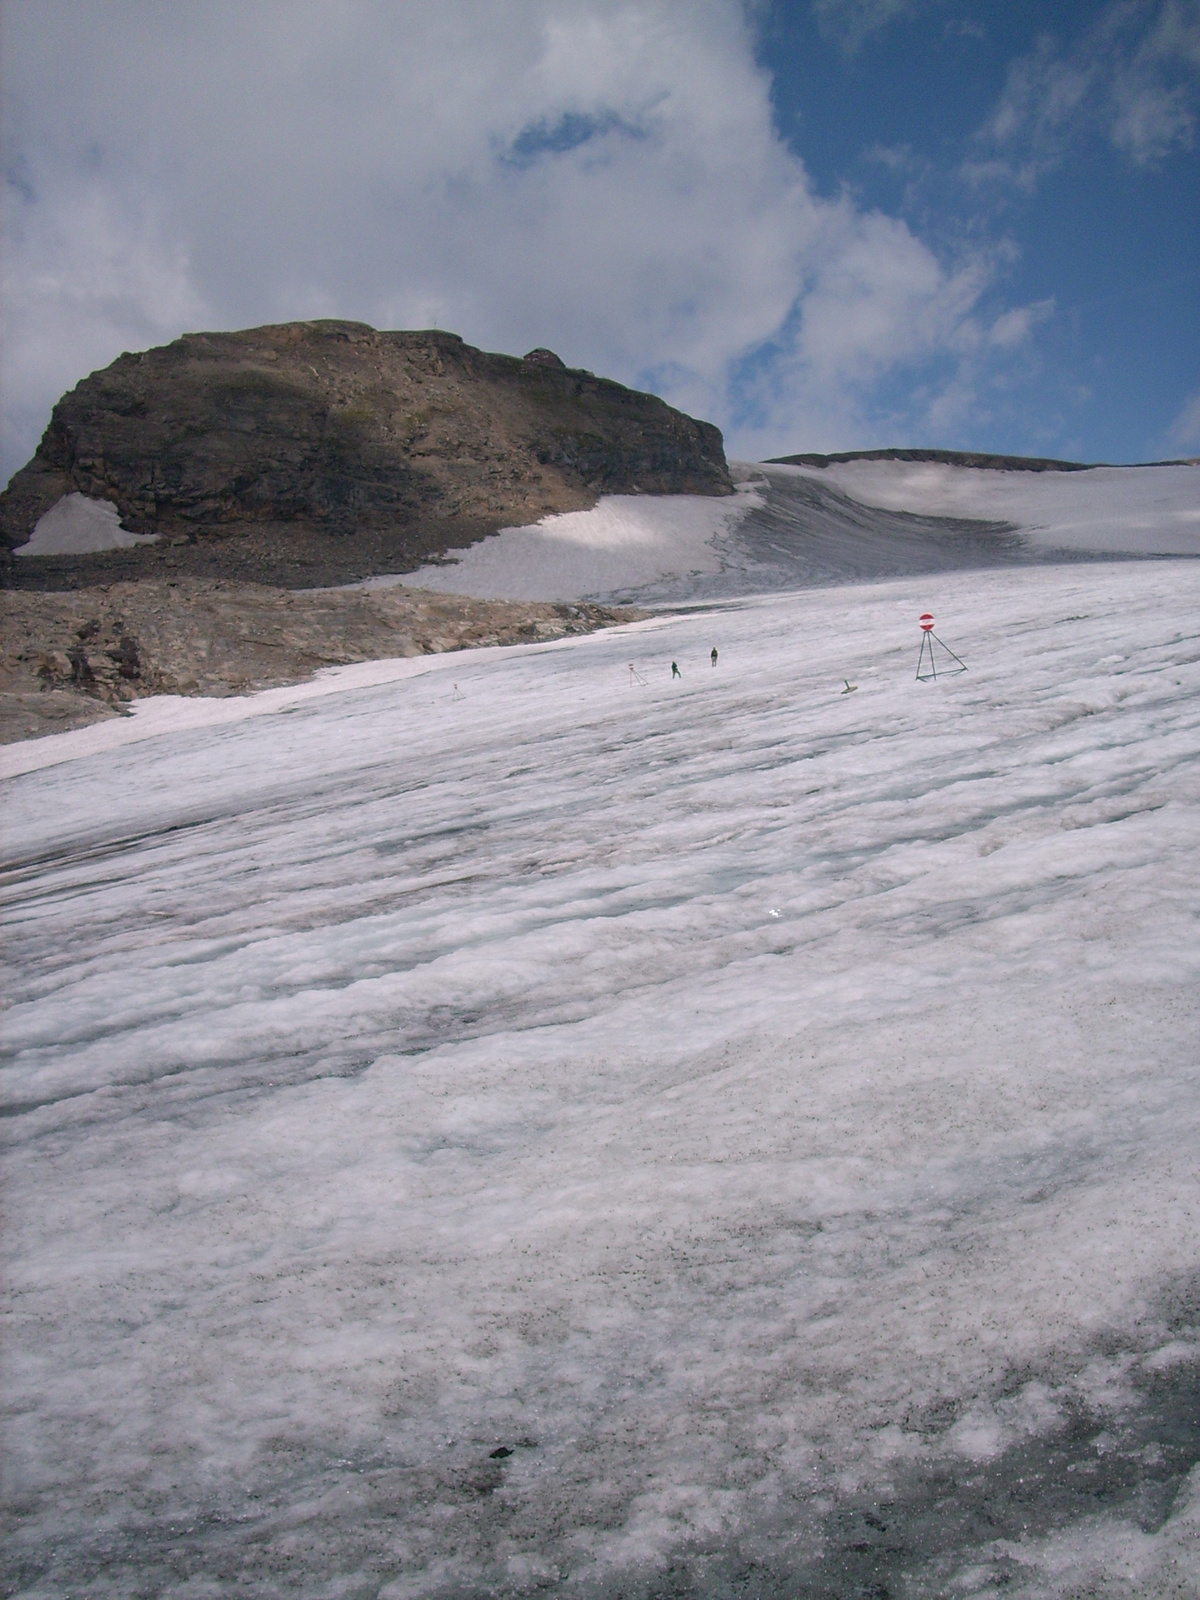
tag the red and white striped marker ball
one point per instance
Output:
(926, 623)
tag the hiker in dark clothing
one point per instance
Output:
(714, 655)
(675, 672)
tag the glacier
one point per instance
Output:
(791, 527)
(489, 1124)
(1150, 510)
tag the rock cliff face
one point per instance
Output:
(322, 451)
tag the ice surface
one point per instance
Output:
(1145, 511)
(622, 546)
(769, 1114)
(78, 525)
(791, 527)
(167, 713)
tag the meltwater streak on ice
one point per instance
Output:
(396, 1079)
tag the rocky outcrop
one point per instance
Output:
(69, 659)
(319, 452)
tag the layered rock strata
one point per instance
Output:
(320, 452)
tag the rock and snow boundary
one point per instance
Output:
(639, 547)
(772, 535)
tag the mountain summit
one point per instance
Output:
(322, 451)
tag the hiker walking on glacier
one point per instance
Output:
(675, 672)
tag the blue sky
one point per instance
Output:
(896, 103)
(824, 225)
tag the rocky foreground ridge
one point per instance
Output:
(320, 452)
(79, 656)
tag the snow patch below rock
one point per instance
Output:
(77, 525)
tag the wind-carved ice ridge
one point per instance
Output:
(514, 1128)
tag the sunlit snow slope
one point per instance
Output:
(1145, 511)
(729, 1135)
(792, 527)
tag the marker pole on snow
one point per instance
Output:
(927, 667)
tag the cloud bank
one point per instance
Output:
(600, 177)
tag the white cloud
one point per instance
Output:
(850, 22)
(1131, 78)
(87, 274)
(596, 176)
(1015, 326)
(1154, 90)
(1184, 432)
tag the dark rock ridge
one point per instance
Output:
(953, 458)
(322, 451)
(964, 458)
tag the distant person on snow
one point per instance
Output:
(714, 655)
(675, 672)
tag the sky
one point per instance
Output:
(823, 225)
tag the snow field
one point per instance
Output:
(731, 1096)
(631, 547)
(657, 546)
(1147, 511)
(624, 544)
